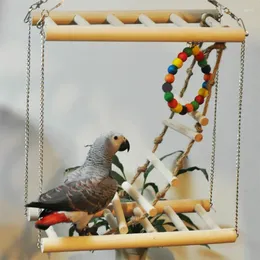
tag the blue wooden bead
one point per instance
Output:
(204, 84)
(167, 87)
(172, 69)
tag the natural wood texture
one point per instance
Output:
(205, 216)
(192, 134)
(145, 240)
(179, 206)
(173, 180)
(143, 34)
(147, 225)
(175, 219)
(127, 17)
(123, 229)
(141, 200)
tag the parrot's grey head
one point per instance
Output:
(117, 142)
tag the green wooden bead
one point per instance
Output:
(203, 63)
(168, 96)
(188, 51)
(195, 105)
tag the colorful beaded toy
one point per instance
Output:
(169, 78)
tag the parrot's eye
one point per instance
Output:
(115, 137)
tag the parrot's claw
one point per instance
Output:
(87, 231)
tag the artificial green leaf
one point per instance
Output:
(190, 169)
(117, 177)
(153, 185)
(151, 167)
(71, 169)
(117, 163)
(160, 228)
(71, 231)
(187, 219)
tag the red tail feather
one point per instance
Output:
(52, 219)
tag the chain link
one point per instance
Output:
(41, 122)
(33, 7)
(238, 152)
(214, 139)
(27, 117)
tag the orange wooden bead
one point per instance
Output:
(169, 78)
(207, 77)
(189, 107)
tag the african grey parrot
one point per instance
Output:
(88, 189)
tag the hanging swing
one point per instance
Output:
(112, 26)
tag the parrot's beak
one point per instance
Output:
(124, 146)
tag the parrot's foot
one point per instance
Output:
(87, 231)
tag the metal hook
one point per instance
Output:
(57, 5)
(241, 23)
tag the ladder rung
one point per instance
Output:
(111, 19)
(80, 20)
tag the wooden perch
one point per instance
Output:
(183, 129)
(80, 21)
(196, 115)
(110, 219)
(205, 216)
(126, 16)
(141, 200)
(145, 20)
(123, 229)
(144, 222)
(144, 240)
(175, 219)
(143, 34)
(173, 180)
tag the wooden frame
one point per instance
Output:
(144, 240)
(68, 28)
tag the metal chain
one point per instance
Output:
(214, 139)
(238, 152)
(41, 122)
(34, 6)
(27, 117)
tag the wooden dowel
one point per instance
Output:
(126, 16)
(175, 219)
(146, 20)
(173, 180)
(147, 225)
(196, 115)
(50, 232)
(123, 229)
(179, 206)
(205, 216)
(145, 240)
(192, 134)
(32, 214)
(80, 21)
(178, 21)
(111, 19)
(110, 219)
(141, 200)
(49, 22)
(143, 34)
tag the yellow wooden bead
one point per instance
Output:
(203, 92)
(195, 50)
(177, 109)
(178, 63)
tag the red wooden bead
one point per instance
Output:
(173, 103)
(199, 56)
(169, 78)
(189, 107)
(183, 56)
(207, 77)
(199, 99)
